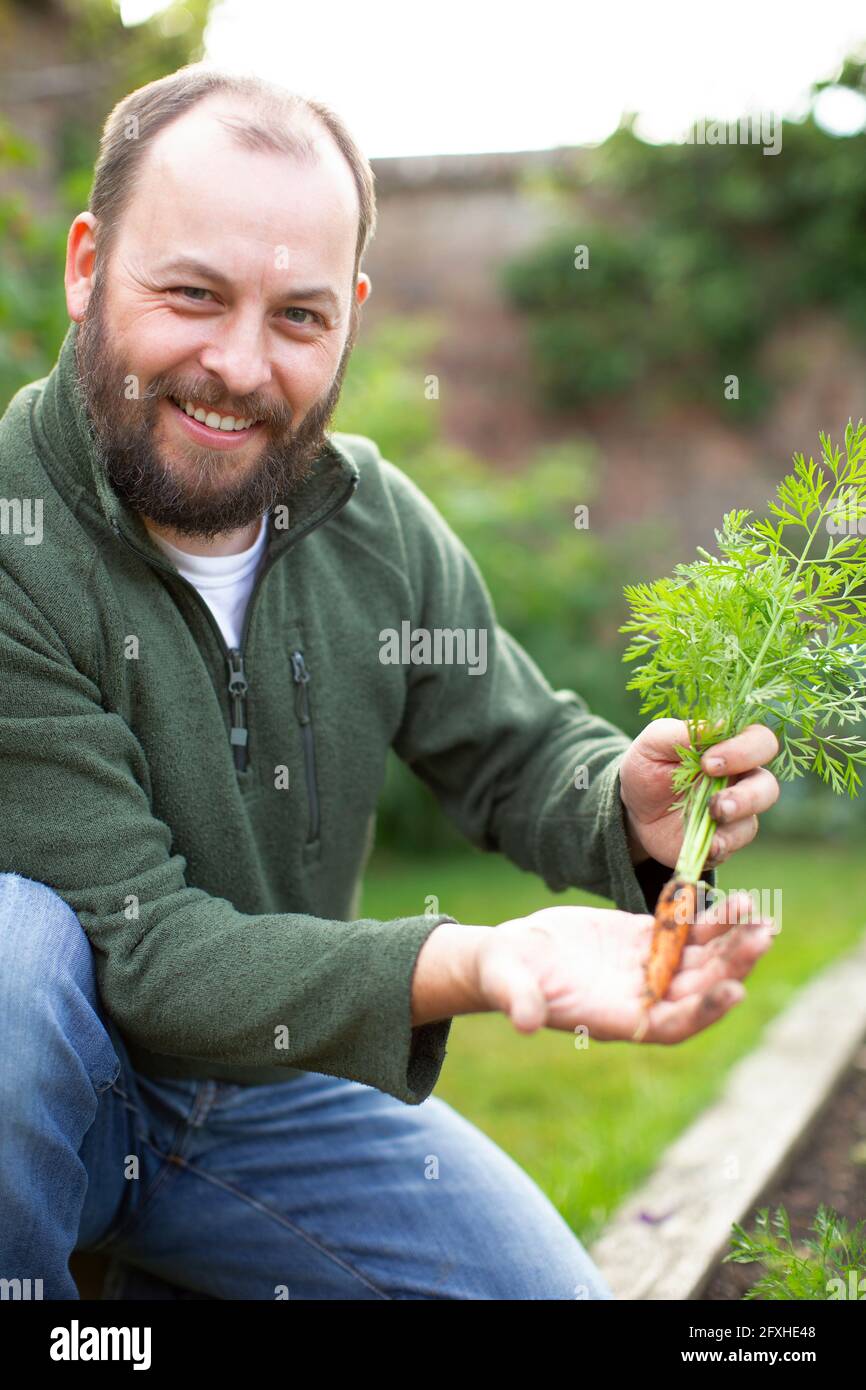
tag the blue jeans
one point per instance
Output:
(317, 1188)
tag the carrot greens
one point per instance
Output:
(770, 630)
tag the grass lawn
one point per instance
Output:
(589, 1124)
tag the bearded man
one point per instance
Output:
(212, 1068)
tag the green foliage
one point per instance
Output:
(807, 1271)
(697, 253)
(768, 631)
(33, 317)
(139, 53)
(588, 330)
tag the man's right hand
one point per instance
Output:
(567, 967)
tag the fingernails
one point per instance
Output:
(725, 996)
(715, 764)
(731, 994)
(727, 806)
(762, 937)
(755, 926)
(763, 925)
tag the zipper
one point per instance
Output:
(301, 677)
(238, 680)
(238, 687)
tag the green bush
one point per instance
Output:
(33, 314)
(702, 252)
(33, 317)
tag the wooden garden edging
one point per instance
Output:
(667, 1238)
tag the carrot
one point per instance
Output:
(674, 914)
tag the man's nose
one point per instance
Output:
(237, 353)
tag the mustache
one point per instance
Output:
(254, 406)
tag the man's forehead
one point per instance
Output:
(199, 183)
(200, 140)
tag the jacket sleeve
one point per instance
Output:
(518, 767)
(182, 973)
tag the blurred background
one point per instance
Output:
(500, 148)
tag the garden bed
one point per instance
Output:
(829, 1166)
(668, 1239)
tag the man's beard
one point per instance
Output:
(200, 499)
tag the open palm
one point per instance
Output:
(581, 967)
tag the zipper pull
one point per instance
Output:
(238, 687)
(301, 677)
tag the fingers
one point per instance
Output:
(658, 739)
(726, 946)
(734, 836)
(755, 745)
(751, 795)
(731, 957)
(673, 1022)
(733, 908)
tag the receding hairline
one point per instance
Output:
(249, 129)
(258, 115)
(269, 127)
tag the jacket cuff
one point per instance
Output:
(426, 1057)
(427, 1043)
(626, 887)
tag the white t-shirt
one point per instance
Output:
(225, 582)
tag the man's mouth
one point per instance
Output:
(206, 415)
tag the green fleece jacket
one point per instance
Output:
(208, 813)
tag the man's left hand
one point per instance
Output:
(655, 831)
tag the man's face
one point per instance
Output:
(206, 304)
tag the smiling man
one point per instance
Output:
(233, 341)
(211, 1067)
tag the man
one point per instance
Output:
(215, 1069)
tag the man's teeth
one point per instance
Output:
(215, 421)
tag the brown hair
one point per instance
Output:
(281, 121)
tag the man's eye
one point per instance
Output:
(190, 292)
(315, 317)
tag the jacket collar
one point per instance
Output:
(61, 429)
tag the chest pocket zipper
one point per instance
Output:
(301, 677)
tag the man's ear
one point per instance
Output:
(80, 255)
(363, 288)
